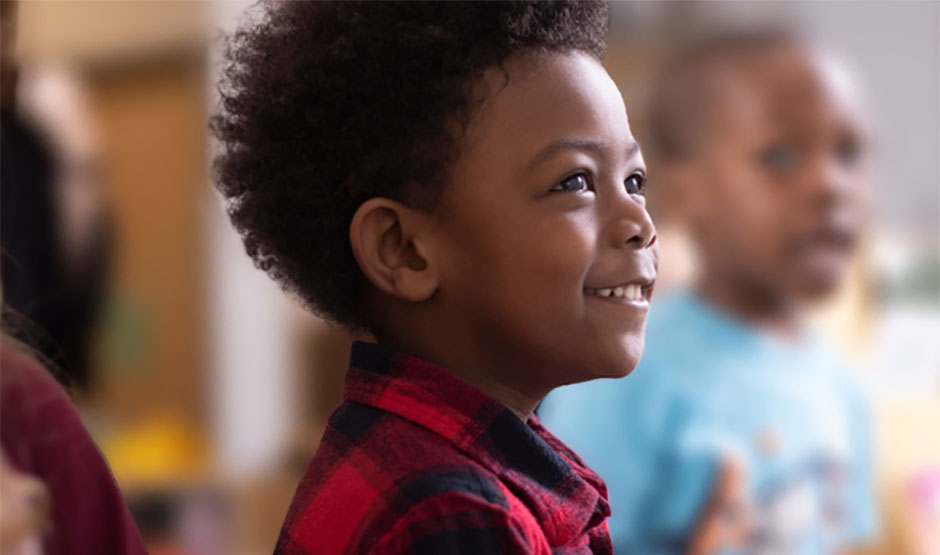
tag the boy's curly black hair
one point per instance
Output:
(327, 104)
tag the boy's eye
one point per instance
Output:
(779, 159)
(572, 184)
(635, 184)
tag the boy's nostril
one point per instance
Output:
(642, 239)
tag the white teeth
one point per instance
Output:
(629, 292)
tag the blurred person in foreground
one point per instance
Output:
(740, 432)
(57, 493)
(459, 179)
(61, 495)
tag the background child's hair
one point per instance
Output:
(327, 104)
(681, 99)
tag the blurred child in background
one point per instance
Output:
(739, 430)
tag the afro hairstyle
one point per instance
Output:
(324, 105)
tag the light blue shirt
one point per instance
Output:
(708, 385)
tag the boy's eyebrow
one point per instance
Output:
(595, 147)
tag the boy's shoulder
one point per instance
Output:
(382, 483)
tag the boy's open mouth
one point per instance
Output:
(634, 291)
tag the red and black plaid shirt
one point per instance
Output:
(416, 460)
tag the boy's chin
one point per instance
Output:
(622, 372)
(619, 362)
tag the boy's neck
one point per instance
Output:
(758, 307)
(478, 373)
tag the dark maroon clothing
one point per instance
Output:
(42, 435)
(416, 460)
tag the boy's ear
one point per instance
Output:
(387, 243)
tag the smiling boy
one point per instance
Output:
(460, 180)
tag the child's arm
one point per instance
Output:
(727, 521)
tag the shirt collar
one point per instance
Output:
(564, 495)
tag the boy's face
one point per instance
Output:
(780, 182)
(544, 209)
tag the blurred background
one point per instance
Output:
(207, 388)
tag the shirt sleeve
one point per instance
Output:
(457, 523)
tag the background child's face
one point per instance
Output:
(543, 209)
(781, 177)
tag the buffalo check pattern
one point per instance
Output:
(416, 460)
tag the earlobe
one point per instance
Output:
(386, 241)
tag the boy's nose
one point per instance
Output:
(634, 226)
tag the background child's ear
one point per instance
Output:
(386, 241)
